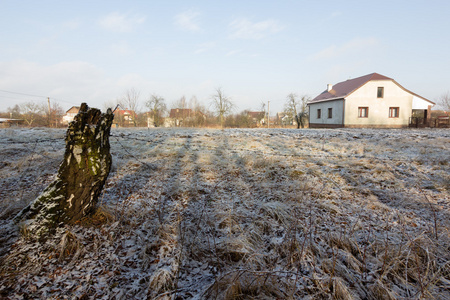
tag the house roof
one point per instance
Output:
(176, 113)
(345, 88)
(73, 109)
(256, 114)
(5, 120)
(124, 112)
(180, 113)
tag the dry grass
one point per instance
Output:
(69, 246)
(102, 215)
(243, 284)
(261, 215)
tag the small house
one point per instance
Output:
(372, 100)
(70, 114)
(125, 118)
(258, 118)
(184, 116)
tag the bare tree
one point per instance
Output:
(290, 107)
(54, 115)
(180, 103)
(157, 107)
(222, 105)
(194, 103)
(110, 104)
(198, 117)
(444, 101)
(263, 111)
(14, 112)
(302, 115)
(296, 108)
(131, 101)
(30, 112)
(183, 114)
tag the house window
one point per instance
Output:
(380, 92)
(319, 113)
(363, 112)
(394, 112)
(330, 113)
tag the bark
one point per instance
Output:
(81, 176)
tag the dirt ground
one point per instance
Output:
(238, 214)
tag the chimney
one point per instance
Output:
(329, 87)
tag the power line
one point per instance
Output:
(11, 97)
(31, 95)
(22, 94)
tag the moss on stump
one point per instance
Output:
(81, 175)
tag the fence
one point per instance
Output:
(439, 122)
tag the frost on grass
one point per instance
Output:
(251, 214)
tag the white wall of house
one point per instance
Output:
(419, 103)
(378, 114)
(337, 107)
(68, 118)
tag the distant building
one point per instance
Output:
(125, 118)
(372, 100)
(4, 122)
(283, 119)
(70, 114)
(257, 117)
(179, 116)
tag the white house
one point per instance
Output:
(372, 100)
(70, 114)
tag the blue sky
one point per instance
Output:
(93, 51)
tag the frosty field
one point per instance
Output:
(238, 214)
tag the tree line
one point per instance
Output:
(155, 112)
(220, 111)
(36, 114)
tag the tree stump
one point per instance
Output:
(81, 176)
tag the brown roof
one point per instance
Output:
(73, 109)
(180, 113)
(343, 89)
(124, 112)
(256, 114)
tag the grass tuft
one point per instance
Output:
(102, 215)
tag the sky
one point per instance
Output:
(254, 51)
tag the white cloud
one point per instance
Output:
(354, 46)
(245, 29)
(42, 78)
(121, 22)
(188, 21)
(69, 83)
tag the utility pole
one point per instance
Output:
(268, 114)
(49, 113)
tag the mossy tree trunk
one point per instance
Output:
(81, 175)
